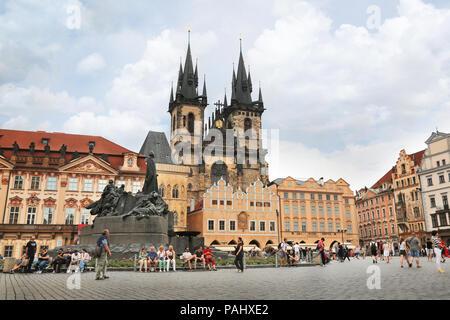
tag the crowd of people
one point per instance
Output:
(411, 250)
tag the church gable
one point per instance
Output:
(89, 164)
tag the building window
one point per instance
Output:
(137, 186)
(347, 214)
(347, 201)
(221, 225)
(430, 181)
(432, 202)
(286, 208)
(335, 197)
(302, 196)
(438, 163)
(272, 226)
(313, 209)
(314, 226)
(252, 226)
(384, 212)
(70, 215)
(210, 225)
(294, 195)
(320, 209)
(18, 182)
(445, 201)
(14, 215)
(330, 226)
(85, 214)
(262, 226)
(87, 185)
(8, 253)
(393, 228)
(338, 226)
(441, 179)
(294, 208)
(287, 226)
(51, 183)
(320, 196)
(286, 195)
(48, 215)
(119, 183)
(304, 226)
(296, 226)
(35, 182)
(101, 185)
(434, 221)
(349, 229)
(328, 197)
(232, 225)
(175, 192)
(416, 212)
(329, 211)
(336, 210)
(390, 211)
(161, 191)
(312, 196)
(31, 215)
(378, 213)
(443, 218)
(130, 162)
(303, 209)
(73, 184)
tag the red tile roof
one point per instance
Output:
(386, 178)
(73, 142)
(417, 157)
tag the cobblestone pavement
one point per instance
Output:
(346, 280)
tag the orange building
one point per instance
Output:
(376, 212)
(226, 214)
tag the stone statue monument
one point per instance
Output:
(151, 178)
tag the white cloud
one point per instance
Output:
(91, 64)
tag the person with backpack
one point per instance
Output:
(373, 249)
(102, 252)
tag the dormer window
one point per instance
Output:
(130, 161)
(45, 140)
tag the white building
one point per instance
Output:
(434, 175)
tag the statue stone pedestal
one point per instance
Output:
(151, 230)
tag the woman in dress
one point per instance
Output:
(387, 251)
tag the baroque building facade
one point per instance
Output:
(48, 179)
(311, 209)
(408, 199)
(376, 212)
(434, 177)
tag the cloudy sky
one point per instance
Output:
(348, 83)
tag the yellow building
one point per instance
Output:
(226, 214)
(310, 210)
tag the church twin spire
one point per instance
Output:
(187, 85)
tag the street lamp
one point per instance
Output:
(342, 232)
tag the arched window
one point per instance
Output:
(173, 125)
(247, 124)
(191, 120)
(189, 186)
(175, 218)
(161, 190)
(175, 192)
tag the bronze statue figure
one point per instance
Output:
(151, 180)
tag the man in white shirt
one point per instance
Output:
(76, 257)
(297, 250)
(187, 256)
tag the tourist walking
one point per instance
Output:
(403, 253)
(387, 251)
(437, 246)
(321, 248)
(414, 246)
(239, 253)
(429, 250)
(105, 252)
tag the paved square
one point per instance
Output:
(346, 280)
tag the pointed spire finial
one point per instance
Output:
(171, 93)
